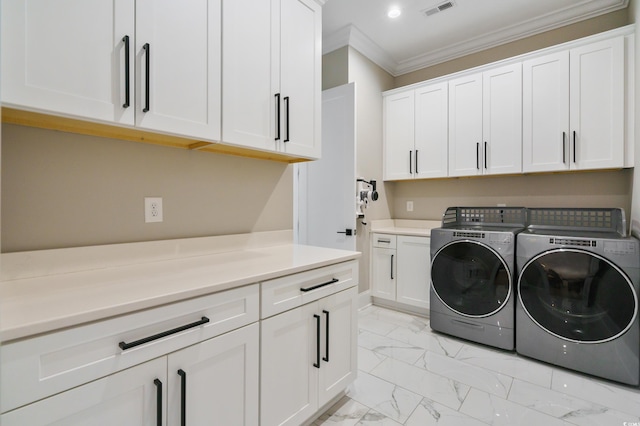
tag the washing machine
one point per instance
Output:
(578, 292)
(472, 274)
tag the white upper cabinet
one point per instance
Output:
(596, 107)
(416, 133)
(272, 75)
(485, 122)
(152, 63)
(69, 57)
(431, 131)
(502, 120)
(545, 121)
(178, 69)
(399, 133)
(574, 113)
(465, 126)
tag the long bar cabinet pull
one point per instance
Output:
(478, 155)
(391, 266)
(410, 161)
(333, 281)
(277, 116)
(416, 161)
(564, 147)
(124, 346)
(183, 397)
(485, 154)
(286, 117)
(317, 363)
(325, 358)
(158, 384)
(147, 84)
(574, 146)
(127, 73)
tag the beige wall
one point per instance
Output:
(634, 16)
(65, 190)
(335, 68)
(370, 81)
(550, 38)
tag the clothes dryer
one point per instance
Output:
(578, 292)
(472, 274)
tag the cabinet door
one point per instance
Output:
(179, 92)
(220, 378)
(431, 131)
(68, 57)
(502, 120)
(414, 271)
(128, 398)
(300, 76)
(383, 273)
(399, 135)
(597, 105)
(289, 380)
(545, 118)
(339, 344)
(465, 126)
(248, 98)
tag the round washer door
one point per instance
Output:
(577, 295)
(470, 278)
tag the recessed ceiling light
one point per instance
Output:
(394, 12)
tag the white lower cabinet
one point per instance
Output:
(216, 381)
(127, 398)
(401, 269)
(308, 358)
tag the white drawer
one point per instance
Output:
(41, 366)
(282, 294)
(384, 240)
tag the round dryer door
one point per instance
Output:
(577, 295)
(470, 278)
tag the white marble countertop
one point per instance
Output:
(405, 227)
(52, 289)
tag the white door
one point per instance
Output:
(300, 76)
(326, 188)
(338, 345)
(466, 147)
(399, 136)
(431, 131)
(545, 115)
(289, 379)
(597, 105)
(414, 271)
(383, 273)
(69, 57)
(502, 120)
(127, 398)
(181, 43)
(221, 377)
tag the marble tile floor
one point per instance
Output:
(409, 375)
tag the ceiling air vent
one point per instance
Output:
(441, 7)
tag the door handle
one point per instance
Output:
(158, 384)
(277, 116)
(416, 161)
(391, 266)
(183, 397)
(478, 155)
(410, 162)
(287, 136)
(348, 232)
(564, 147)
(485, 154)
(574, 146)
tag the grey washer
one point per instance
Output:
(578, 301)
(473, 279)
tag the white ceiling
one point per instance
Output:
(414, 40)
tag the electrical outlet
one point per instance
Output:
(409, 206)
(152, 209)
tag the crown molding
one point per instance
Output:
(352, 36)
